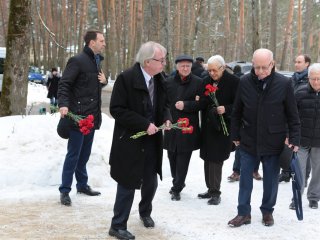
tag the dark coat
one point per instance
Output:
(52, 85)
(79, 87)
(197, 69)
(186, 91)
(308, 102)
(129, 106)
(261, 119)
(215, 146)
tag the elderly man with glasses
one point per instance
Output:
(309, 111)
(264, 114)
(216, 143)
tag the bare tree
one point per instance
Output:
(255, 25)
(288, 33)
(15, 84)
(273, 28)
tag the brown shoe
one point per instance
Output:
(267, 219)
(240, 220)
(234, 177)
(256, 176)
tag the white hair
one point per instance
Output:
(147, 51)
(217, 59)
(315, 67)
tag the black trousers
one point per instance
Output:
(179, 164)
(125, 196)
(213, 174)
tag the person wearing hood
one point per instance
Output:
(264, 114)
(184, 90)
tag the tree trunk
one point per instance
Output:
(287, 34)
(273, 28)
(241, 43)
(255, 25)
(307, 26)
(15, 81)
(299, 28)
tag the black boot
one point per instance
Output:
(284, 176)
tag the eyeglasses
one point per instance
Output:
(214, 70)
(185, 66)
(162, 60)
(315, 79)
(263, 68)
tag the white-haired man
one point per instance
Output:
(216, 145)
(309, 111)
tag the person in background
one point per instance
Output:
(79, 92)
(138, 103)
(299, 80)
(216, 145)
(235, 176)
(52, 86)
(197, 67)
(307, 98)
(237, 71)
(183, 91)
(264, 112)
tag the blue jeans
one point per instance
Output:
(79, 150)
(236, 164)
(271, 169)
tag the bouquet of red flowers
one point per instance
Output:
(85, 123)
(211, 92)
(182, 124)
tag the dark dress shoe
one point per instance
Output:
(267, 219)
(120, 234)
(65, 199)
(204, 195)
(240, 220)
(215, 200)
(88, 191)
(175, 196)
(147, 222)
(313, 204)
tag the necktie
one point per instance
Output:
(97, 58)
(151, 89)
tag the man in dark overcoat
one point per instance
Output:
(138, 103)
(216, 144)
(79, 91)
(264, 114)
(184, 90)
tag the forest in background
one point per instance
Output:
(231, 28)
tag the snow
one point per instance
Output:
(31, 159)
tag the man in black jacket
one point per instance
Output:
(308, 103)
(183, 90)
(79, 92)
(263, 114)
(138, 103)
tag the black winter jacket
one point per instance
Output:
(186, 91)
(79, 88)
(308, 102)
(129, 106)
(261, 119)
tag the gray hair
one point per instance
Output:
(147, 51)
(315, 67)
(217, 59)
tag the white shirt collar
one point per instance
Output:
(147, 77)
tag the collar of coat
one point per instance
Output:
(89, 52)
(139, 81)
